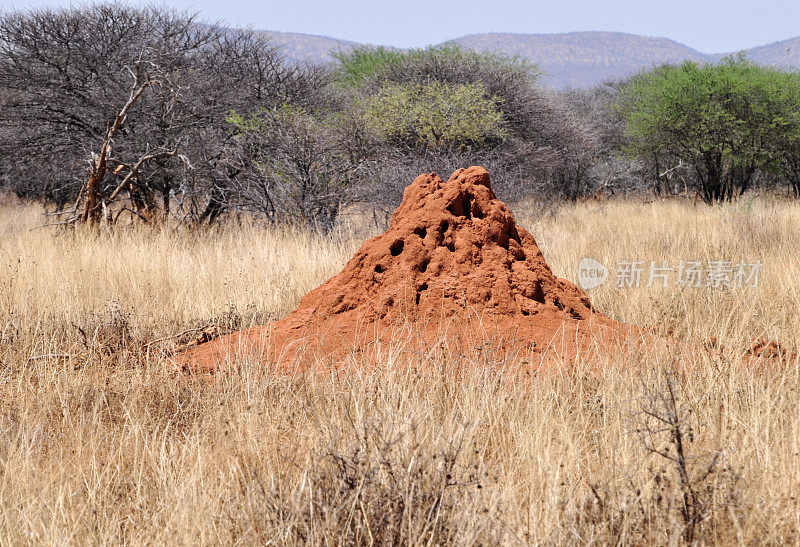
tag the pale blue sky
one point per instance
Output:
(711, 26)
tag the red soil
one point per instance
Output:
(453, 269)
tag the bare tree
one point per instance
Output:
(296, 166)
(144, 77)
(612, 170)
(68, 74)
(244, 72)
(140, 94)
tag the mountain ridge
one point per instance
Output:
(567, 59)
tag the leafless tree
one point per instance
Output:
(68, 75)
(612, 170)
(665, 426)
(296, 166)
(243, 72)
(135, 94)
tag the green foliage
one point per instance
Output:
(723, 120)
(455, 54)
(440, 97)
(362, 63)
(436, 115)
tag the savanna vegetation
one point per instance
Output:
(160, 175)
(145, 113)
(729, 124)
(103, 441)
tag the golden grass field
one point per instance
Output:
(101, 441)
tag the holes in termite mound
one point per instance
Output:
(422, 288)
(340, 305)
(538, 293)
(397, 247)
(505, 241)
(378, 268)
(510, 234)
(421, 231)
(516, 250)
(423, 265)
(455, 208)
(462, 207)
(442, 239)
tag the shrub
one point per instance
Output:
(293, 165)
(66, 74)
(446, 105)
(719, 119)
(361, 63)
(510, 81)
(436, 115)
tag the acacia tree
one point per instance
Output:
(788, 154)
(611, 170)
(70, 75)
(436, 115)
(782, 142)
(718, 119)
(243, 72)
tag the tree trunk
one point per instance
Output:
(91, 208)
(214, 207)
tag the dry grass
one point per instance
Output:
(100, 442)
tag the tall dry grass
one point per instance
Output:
(101, 441)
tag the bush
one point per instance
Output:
(722, 120)
(362, 63)
(612, 171)
(293, 165)
(65, 74)
(510, 81)
(447, 106)
(436, 115)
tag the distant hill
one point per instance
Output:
(572, 59)
(309, 47)
(580, 59)
(784, 54)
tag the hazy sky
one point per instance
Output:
(711, 26)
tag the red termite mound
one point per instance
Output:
(453, 267)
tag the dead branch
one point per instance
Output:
(93, 200)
